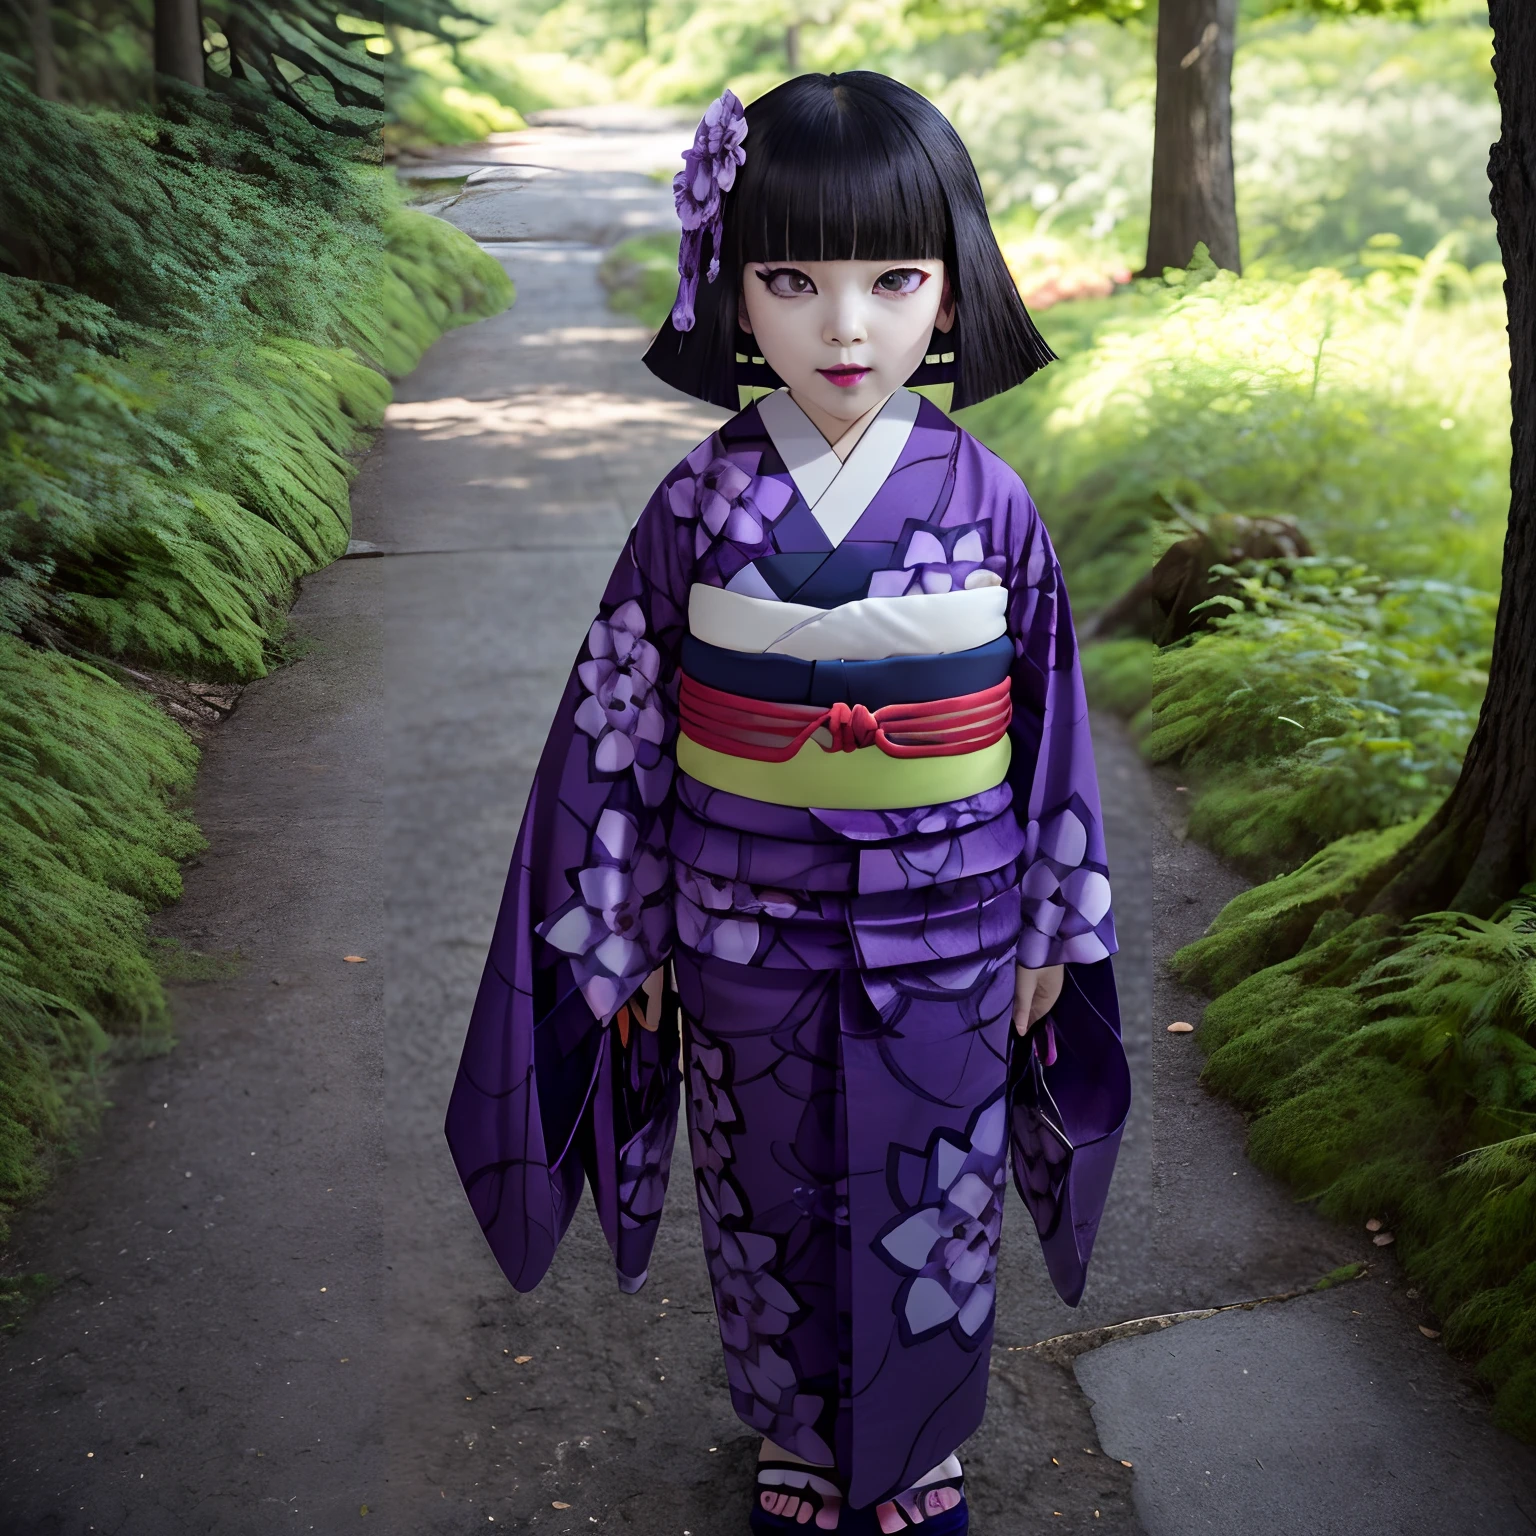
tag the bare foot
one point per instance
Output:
(790, 1494)
(920, 1501)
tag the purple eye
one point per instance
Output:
(900, 280)
(786, 282)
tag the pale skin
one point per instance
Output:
(845, 336)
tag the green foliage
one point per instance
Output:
(640, 276)
(1340, 1276)
(1271, 922)
(1360, 408)
(440, 108)
(208, 222)
(319, 60)
(1328, 701)
(1346, 131)
(1017, 29)
(184, 413)
(191, 336)
(87, 844)
(1394, 1075)
(1342, 130)
(1334, 694)
(1118, 675)
(19, 1294)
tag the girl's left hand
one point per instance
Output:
(1035, 994)
(651, 991)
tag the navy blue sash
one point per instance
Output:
(874, 684)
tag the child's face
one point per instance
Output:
(844, 335)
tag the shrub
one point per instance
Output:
(194, 336)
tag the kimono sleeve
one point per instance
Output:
(1069, 1085)
(559, 1085)
(1065, 885)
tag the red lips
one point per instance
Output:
(845, 375)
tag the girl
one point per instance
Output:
(820, 794)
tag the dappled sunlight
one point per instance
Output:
(550, 424)
(587, 336)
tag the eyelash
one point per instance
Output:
(769, 275)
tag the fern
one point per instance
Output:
(194, 336)
(1394, 1075)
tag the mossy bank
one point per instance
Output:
(199, 312)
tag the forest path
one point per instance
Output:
(277, 1312)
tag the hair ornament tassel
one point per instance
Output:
(698, 190)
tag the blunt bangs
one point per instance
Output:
(857, 167)
(837, 176)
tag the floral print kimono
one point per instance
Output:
(824, 756)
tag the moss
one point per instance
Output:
(19, 1294)
(1500, 1325)
(1391, 1072)
(1340, 1276)
(1272, 922)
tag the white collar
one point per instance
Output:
(837, 491)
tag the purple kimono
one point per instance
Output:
(856, 1091)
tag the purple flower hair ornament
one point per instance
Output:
(709, 171)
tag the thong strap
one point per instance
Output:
(812, 1486)
(768, 732)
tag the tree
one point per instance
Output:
(310, 54)
(179, 40)
(1193, 197)
(1480, 848)
(45, 60)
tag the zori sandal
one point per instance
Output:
(925, 1507)
(792, 1496)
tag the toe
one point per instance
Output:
(826, 1516)
(942, 1499)
(805, 1511)
(889, 1517)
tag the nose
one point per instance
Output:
(845, 325)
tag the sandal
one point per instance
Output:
(802, 1481)
(954, 1521)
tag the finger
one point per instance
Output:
(652, 989)
(1023, 1000)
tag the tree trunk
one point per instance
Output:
(1481, 847)
(179, 40)
(45, 60)
(792, 47)
(1193, 197)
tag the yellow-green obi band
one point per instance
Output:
(863, 780)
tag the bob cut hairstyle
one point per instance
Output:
(856, 167)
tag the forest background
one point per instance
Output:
(1281, 497)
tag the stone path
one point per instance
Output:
(276, 1311)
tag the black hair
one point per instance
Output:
(848, 167)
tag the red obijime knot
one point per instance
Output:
(851, 728)
(773, 733)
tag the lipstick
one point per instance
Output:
(844, 375)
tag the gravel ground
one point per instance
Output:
(276, 1312)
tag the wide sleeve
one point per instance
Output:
(1065, 885)
(1069, 1087)
(558, 1085)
